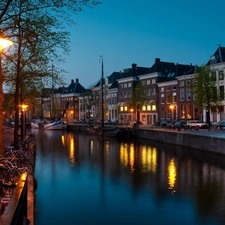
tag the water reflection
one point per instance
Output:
(172, 174)
(125, 182)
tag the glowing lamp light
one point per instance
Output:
(4, 43)
(171, 107)
(24, 107)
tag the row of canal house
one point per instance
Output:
(168, 94)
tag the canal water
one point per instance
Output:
(84, 180)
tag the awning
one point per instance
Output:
(119, 104)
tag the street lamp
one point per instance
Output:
(171, 107)
(132, 110)
(23, 124)
(4, 43)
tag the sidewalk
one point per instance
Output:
(8, 136)
(201, 132)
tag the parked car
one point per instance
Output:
(196, 124)
(117, 122)
(180, 124)
(221, 124)
(165, 123)
(108, 122)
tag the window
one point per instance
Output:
(222, 92)
(182, 83)
(148, 82)
(182, 109)
(121, 94)
(168, 89)
(129, 84)
(125, 94)
(128, 94)
(189, 111)
(221, 75)
(188, 94)
(125, 85)
(153, 81)
(174, 87)
(144, 108)
(162, 89)
(162, 99)
(188, 82)
(148, 107)
(121, 85)
(181, 94)
(153, 107)
(174, 99)
(168, 98)
(143, 82)
(149, 92)
(125, 108)
(162, 112)
(153, 91)
(213, 75)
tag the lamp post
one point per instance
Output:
(23, 122)
(3, 44)
(171, 107)
(132, 116)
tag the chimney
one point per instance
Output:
(77, 80)
(157, 60)
(134, 69)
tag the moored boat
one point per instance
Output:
(107, 131)
(35, 123)
(56, 125)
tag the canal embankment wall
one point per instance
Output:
(203, 140)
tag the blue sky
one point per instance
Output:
(138, 31)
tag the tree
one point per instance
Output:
(138, 97)
(88, 102)
(37, 30)
(206, 91)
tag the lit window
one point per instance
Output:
(144, 108)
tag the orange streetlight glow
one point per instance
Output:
(4, 43)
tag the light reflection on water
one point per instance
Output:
(83, 180)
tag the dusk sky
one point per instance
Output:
(138, 31)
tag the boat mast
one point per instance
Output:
(52, 99)
(102, 100)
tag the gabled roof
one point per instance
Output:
(60, 90)
(177, 70)
(218, 56)
(160, 66)
(134, 71)
(74, 87)
(114, 85)
(114, 76)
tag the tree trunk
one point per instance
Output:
(1, 109)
